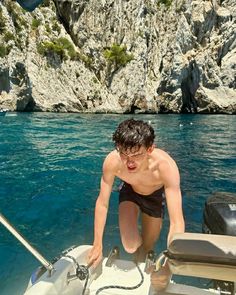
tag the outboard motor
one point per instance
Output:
(219, 217)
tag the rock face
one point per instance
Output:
(119, 56)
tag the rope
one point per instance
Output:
(83, 274)
(85, 285)
(123, 287)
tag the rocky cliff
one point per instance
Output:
(152, 56)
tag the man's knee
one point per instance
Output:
(131, 246)
(130, 249)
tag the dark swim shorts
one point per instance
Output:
(152, 204)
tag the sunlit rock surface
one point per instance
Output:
(126, 56)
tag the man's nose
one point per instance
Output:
(129, 160)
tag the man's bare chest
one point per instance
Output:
(144, 183)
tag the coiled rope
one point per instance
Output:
(82, 272)
(123, 287)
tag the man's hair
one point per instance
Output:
(133, 134)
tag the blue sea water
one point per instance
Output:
(50, 169)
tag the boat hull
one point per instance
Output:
(122, 276)
(121, 273)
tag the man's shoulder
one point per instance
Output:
(164, 161)
(111, 156)
(111, 161)
(161, 156)
(168, 169)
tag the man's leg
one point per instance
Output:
(128, 222)
(151, 228)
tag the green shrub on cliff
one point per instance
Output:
(68, 46)
(3, 51)
(16, 13)
(35, 23)
(117, 55)
(46, 48)
(56, 27)
(8, 36)
(167, 3)
(2, 22)
(61, 46)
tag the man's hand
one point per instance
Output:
(160, 279)
(95, 256)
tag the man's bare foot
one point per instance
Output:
(160, 279)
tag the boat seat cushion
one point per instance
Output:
(203, 255)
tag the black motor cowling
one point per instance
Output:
(219, 217)
(220, 214)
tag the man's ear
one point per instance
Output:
(151, 148)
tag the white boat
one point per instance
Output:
(190, 254)
(211, 256)
(71, 276)
(3, 112)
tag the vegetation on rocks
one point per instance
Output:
(2, 22)
(167, 3)
(56, 27)
(5, 36)
(8, 36)
(3, 51)
(117, 55)
(16, 12)
(35, 23)
(178, 64)
(64, 49)
(61, 46)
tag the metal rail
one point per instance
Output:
(23, 241)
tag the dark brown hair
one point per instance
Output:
(133, 134)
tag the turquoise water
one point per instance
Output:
(50, 168)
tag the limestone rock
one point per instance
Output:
(119, 56)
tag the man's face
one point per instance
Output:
(134, 158)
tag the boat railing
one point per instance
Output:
(27, 245)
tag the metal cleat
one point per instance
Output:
(149, 261)
(113, 255)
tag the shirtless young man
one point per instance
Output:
(148, 174)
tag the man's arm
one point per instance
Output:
(101, 209)
(171, 179)
(170, 175)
